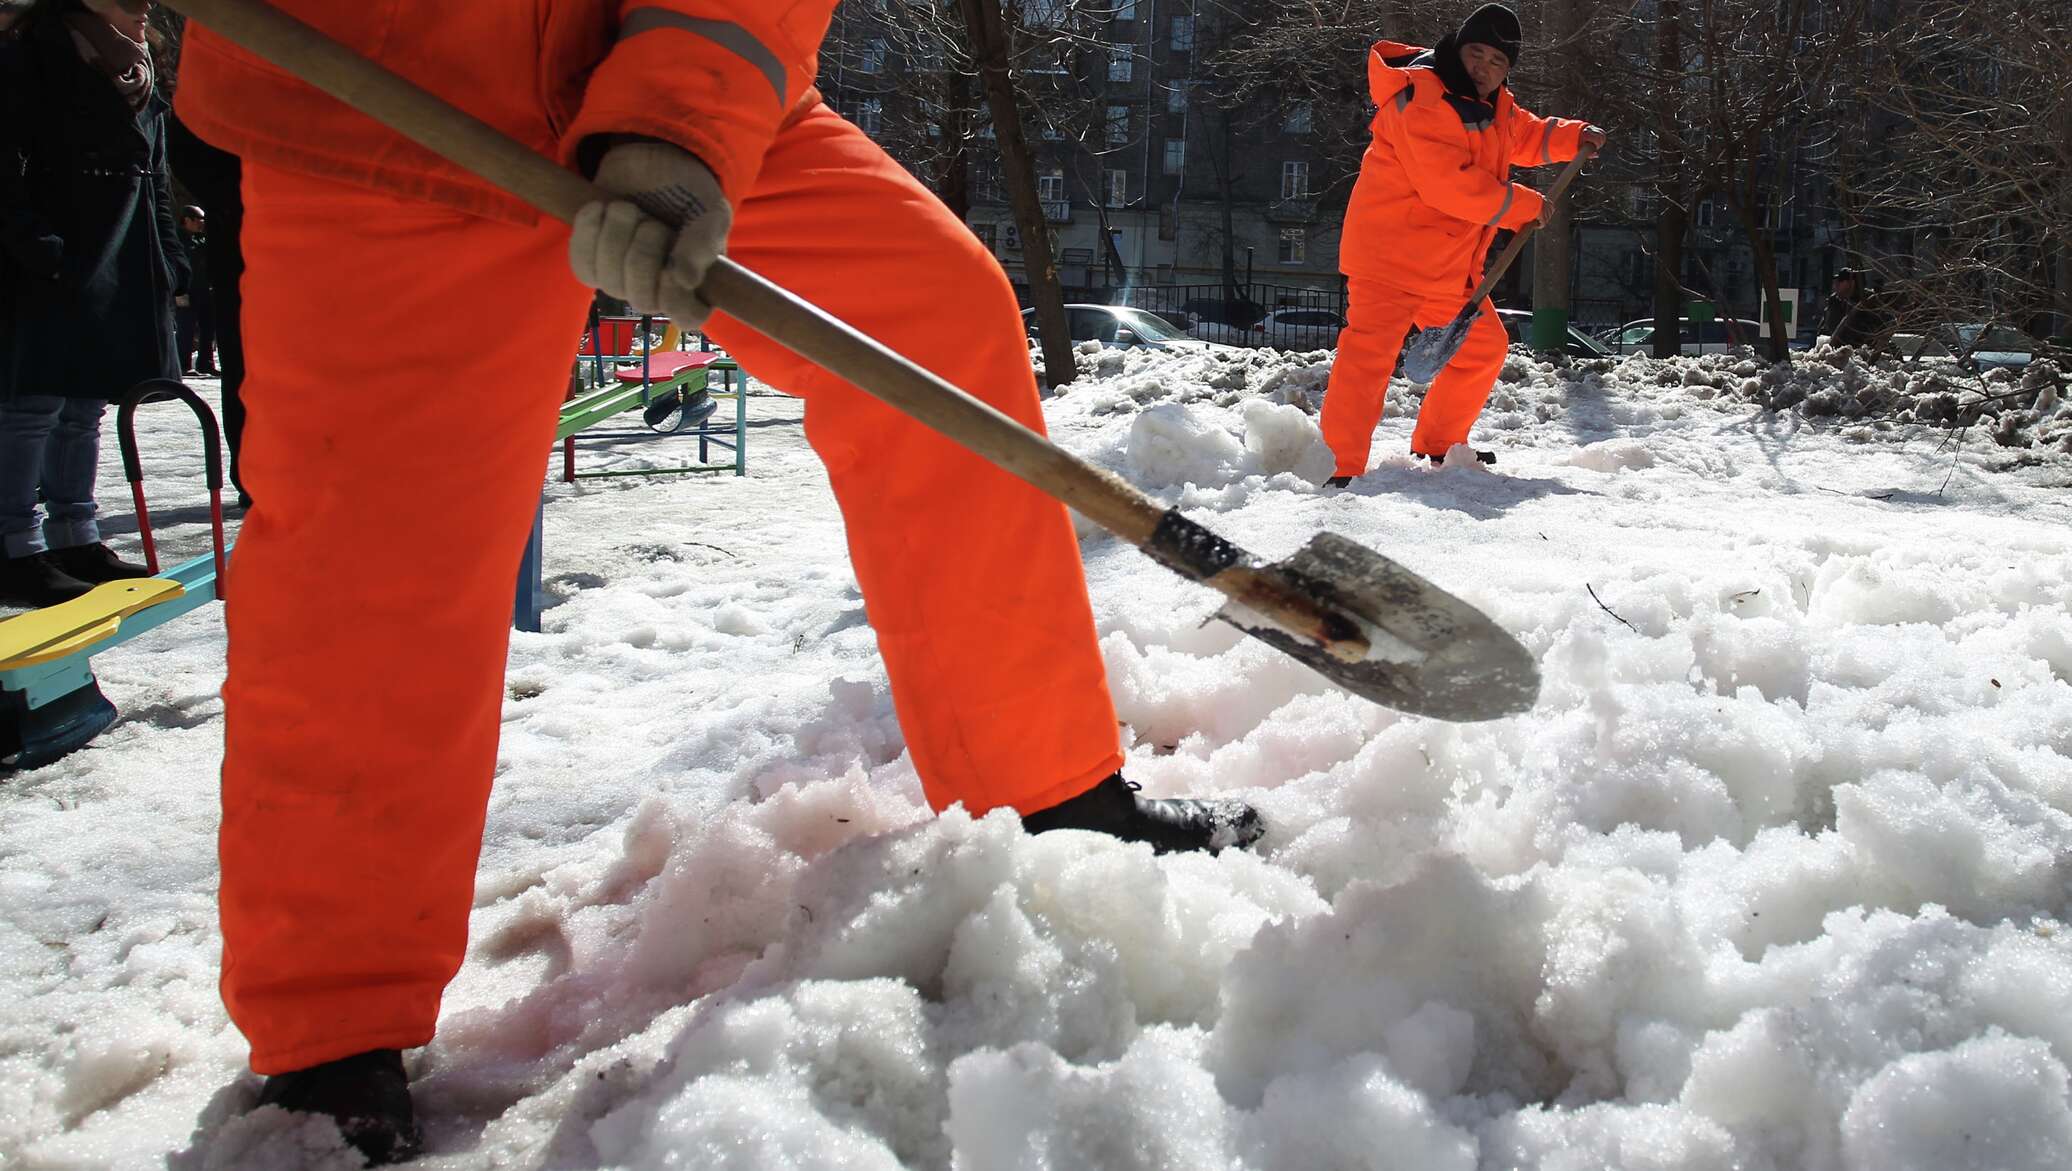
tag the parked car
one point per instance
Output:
(1296, 329)
(1220, 311)
(1576, 343)
(1706, 337)
(1122, 326)
(2002, 347)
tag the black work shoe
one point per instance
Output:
(96, 563)
(367, 1095)
(1113, 807)
(1488, 457)
(37, 581)
(1338, 482)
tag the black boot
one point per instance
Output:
(1488, 457)
(96, 563)
(1113, 807)
(1338, 482)
(37, 581)
(367, 1095)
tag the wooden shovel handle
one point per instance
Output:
(801, 327)
(1510, 252)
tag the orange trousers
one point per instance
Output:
(1378, 318)
(405, 367)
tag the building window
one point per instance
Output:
(868, 115)
(1705, 212)
(1183, 33)
(872, 59)
(1175, 155)
(987, 234)
(1050, 187)
(1121, 64)
(1126, 10)
(1298, 118)
(1045, 13)
(1176, 98)
(1294, 245)
(1118, 188)
(1295, 180)
(1118, 125)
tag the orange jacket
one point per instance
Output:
(1435, 184)
(716, 77)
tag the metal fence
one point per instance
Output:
(1286, 317)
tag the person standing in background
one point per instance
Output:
(90, 261)
(213, 177)
(195, 310)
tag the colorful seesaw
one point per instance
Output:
(50, 703)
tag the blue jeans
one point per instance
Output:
(54, 444)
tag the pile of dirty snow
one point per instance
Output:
(1773, 878)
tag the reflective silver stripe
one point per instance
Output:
(723, 33)
(1402, 100)
(1510, 193)
(1547, 143)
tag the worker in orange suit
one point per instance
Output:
(1434, 189)
(369, 607)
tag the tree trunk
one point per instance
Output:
(1018, 170)
(1669, 294)
(1669, 187)
(2063, 291)
(1226, 195)
(1766, 273)
(1553, 247)
(1553, 265)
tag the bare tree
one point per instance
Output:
(1971, 170)
(990, 51)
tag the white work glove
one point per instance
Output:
(653, 247)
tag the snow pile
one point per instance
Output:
(1774, 877)
(2017, 409)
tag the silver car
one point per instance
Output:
(1122, 326)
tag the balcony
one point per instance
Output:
(1057, 211)
(1292, 211)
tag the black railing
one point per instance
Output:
(1286, 317)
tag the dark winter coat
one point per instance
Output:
(1854, 321)
(90, 254)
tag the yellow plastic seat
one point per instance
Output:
(68, 627)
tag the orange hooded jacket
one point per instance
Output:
(735, 71)
(1435, 183)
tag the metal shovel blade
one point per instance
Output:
(1428, 351)
(1433, 654)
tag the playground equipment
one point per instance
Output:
(50, 703)
(672, 389)
(669, 384)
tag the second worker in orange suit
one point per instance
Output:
(1434, 188)
(369, 614)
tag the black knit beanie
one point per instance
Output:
(1493, 25)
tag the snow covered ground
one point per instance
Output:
(1774, 877)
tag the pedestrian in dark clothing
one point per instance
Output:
(213, 176)
(194, 312)
(90, 261)
(1853, 316)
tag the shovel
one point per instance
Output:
(1427, 353)
(1357, 618)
